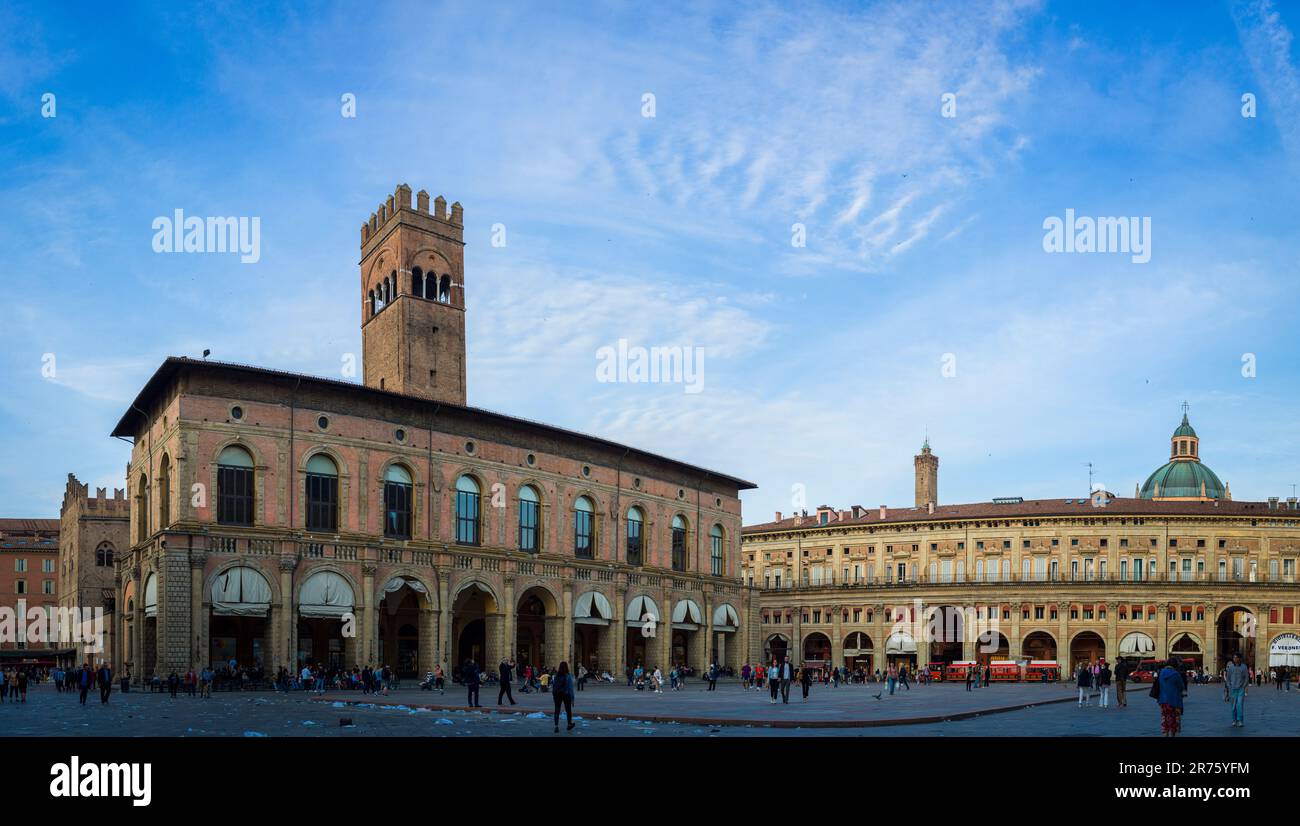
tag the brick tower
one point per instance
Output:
(413, 297)
(927, 476)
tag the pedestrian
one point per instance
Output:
(1084, 682)
(713, 676)
(469, 674)
(506, 672)
(1167, 690)
(582, 676)
(902, 678)
(105, 683)
(773, 679)
(1122, 670)
(562, 693)
(1236, 678)
(659, 681)
(1103, 685)
(787, 674)
(806, 682)
(970, 672)
(892, 678)
(4, 683)
(83, 682)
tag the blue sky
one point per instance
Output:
(824, 364)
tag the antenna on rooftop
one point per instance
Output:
(207, 353)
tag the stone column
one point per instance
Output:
(1112, 632)
(199, 647)
(443, 652)
(1162, 630)
(837, 637)
(511, 623)
(1063, 639)
(1013, 637)
(879, 635)
(1261, 638)
(664, 642)
(711, 653)
(137, 631)
(175, 630)
(618, 628)
(285, 650)
(1210, 650)
(369, 608)
(566, 620)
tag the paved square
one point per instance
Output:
(48, 713)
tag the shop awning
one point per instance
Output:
(592, 608)
(325, 595)
(241, 592)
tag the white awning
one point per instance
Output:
(687, 614)
(325, 594)
(396, 583)
(1285, 650)
(1136, 644)
(900, 643)
(592, 608)
(241, 592)
(151, 596)
(642, 608)
(725, 618)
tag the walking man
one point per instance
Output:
(1236, 678)
(1103, 684)
(469, 673)
(506, 672)
(1084, 682)
(787, 674)
(105, 683)
(1121, 679)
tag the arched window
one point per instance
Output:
(467, 523)
(635, 532)
(104, 555)
(679, 543)
(444, 289)
(417, 282)
(372, 302)
(164, 492)
(235, 487)
(717, 564)
(397, 502)
(529, 512)
(322, 494)
(142, 506)
(583, 533)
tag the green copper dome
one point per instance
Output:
(1185, 429)
(1183, 479)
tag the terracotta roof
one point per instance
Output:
(13, 526)
(1078, 506)
(174, 364)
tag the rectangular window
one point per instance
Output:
(397, 510)
(20, 566)
(47, 566)
(234, 495)
(634, 543)
(679, 549)
(582, 536)
(467, 524)
(322, 503)
(47, 587)
(21, 586)
(528, 526)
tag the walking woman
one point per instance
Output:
(1168, 692)
(562, 691)
(805, 679)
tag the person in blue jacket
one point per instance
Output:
(1168, 692)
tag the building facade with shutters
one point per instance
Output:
(1179, 570)
(279, 519)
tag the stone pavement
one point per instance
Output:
(1268, 713)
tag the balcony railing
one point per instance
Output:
(1109, 579)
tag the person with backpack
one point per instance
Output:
(1084, 682)
(1103, 684)
(562, 690)
(1167, 690)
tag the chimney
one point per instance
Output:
(778, 516)
(930, 508)
(1272, 503)
(1292, 503)
(884, 511)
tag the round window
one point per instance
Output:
(586, 470)
(323, 423)
(469, 447)
(532, 460)
(236, 412)
(400, 434)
